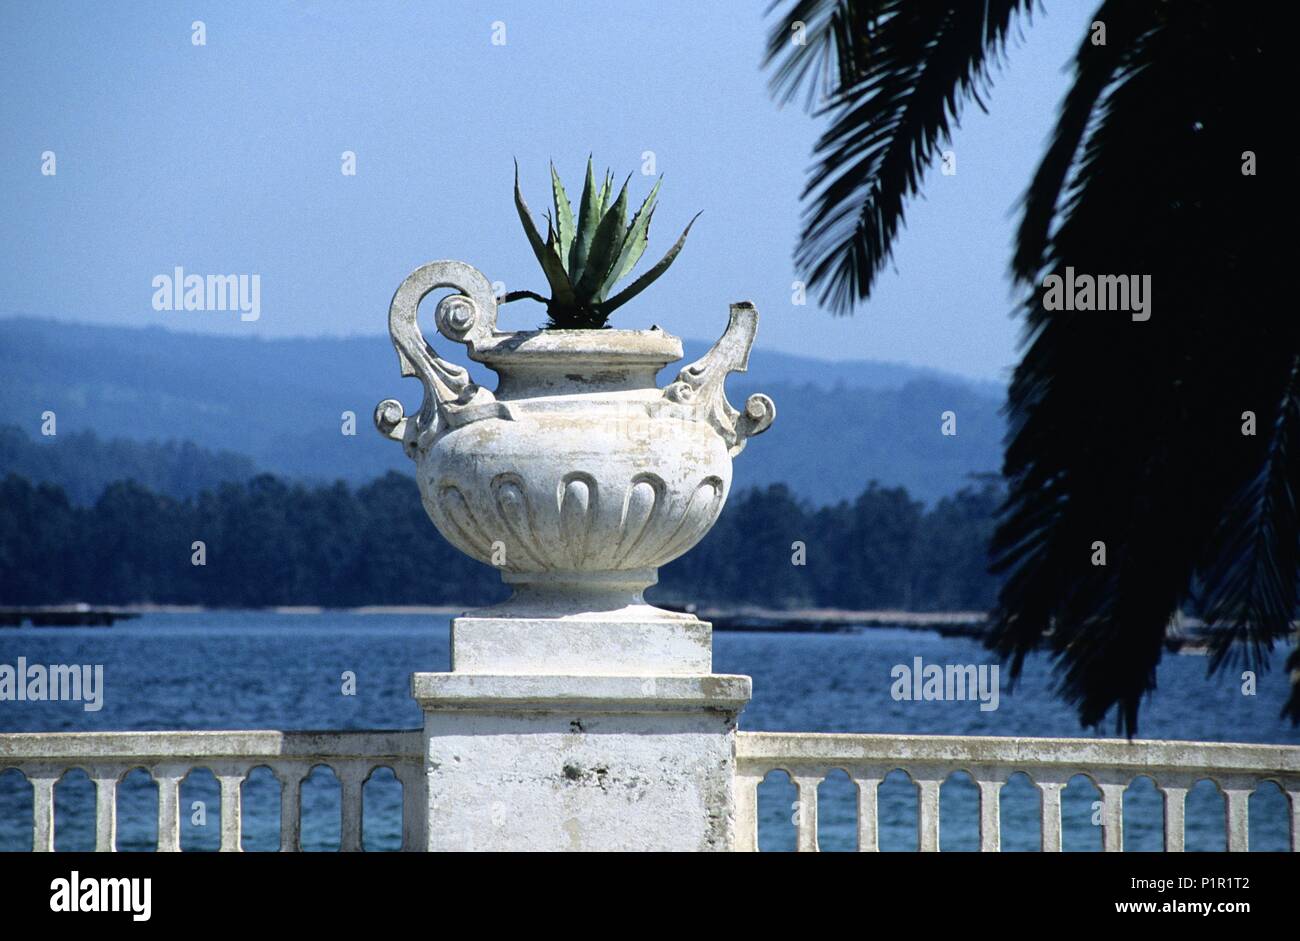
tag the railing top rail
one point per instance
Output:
(395, 745)
(818, 749)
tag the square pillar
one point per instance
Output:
(580, 735)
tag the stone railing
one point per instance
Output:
(807, 758)
(1111, 765)
(107, 757)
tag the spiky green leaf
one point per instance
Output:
(546, 252)
(634, 243)
(604, 248)
(649, 277)
(588, 219)
(563, 214)
(602, 200)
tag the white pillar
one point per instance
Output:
(581, 733)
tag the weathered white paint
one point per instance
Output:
(580, 762)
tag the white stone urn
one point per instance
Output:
(577, 477)
(575, 715)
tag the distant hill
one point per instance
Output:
(83, 464)
(278, 403)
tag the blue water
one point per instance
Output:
(254, 670)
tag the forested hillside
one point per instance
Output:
(83, 464)
(281, 404)
(268, 541)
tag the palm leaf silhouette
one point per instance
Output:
(1121, 432)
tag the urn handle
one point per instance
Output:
(700, 385)
(467, 317)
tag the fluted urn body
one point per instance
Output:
(577, 477)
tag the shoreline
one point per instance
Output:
(1184, 637)
(825, 616)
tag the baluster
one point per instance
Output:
(414, 806)
(43, 810)
(990, 816)
(106, 809)
(232, 813)
(1293, 797)
(1050, 819)
(291, 777)
(1112, 816)
(806, 817)
(927, 818)
(868, 783)
(168, 778)
(747, 811)
(1175, 815)
(352, 777)
(1236, 810)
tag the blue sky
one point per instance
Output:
(225, 159)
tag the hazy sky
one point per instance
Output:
(226, 159)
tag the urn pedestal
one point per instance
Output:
(580, 762)
(576, 715)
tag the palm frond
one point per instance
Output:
(1095, 67)
(1128, 433)
(1250, 580)
(832, 40)
(902, 71)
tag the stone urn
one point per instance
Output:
(577, 477)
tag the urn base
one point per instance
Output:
(585, 762)
(572, 646)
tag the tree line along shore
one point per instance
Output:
(271, 542)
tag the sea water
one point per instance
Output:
(340, 670)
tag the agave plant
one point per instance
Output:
(583, 257)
